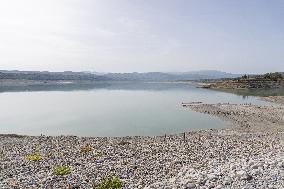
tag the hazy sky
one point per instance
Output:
(142, 35)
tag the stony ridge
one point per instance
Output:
(247, 84)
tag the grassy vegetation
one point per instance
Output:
(61, 170)
(99, 154)
(34, 157)
(110, 183)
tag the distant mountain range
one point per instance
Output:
(50, 76)
(171, 76)
(95, 76)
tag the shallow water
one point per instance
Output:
(109, 109)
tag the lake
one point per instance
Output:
(109, 109)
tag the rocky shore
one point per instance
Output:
(248, 117)
(252, 83)
(275, 99)
(247, 155)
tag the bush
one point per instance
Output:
(86, 149)
(273, 76)
(34, 157)
(61, 170)
(99, 154)
(244, 77)
(110, 183)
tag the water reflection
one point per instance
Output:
(152, 86)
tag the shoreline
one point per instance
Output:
(249, 154)
(274, 99)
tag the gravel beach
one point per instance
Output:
(249, 154)
(275, 99)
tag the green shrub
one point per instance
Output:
(99, 154)
(244, 77)
(61, 170)
(273, 76)
(110, 183)
(33, 157)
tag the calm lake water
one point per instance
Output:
(109, 109)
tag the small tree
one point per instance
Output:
(244, 76)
